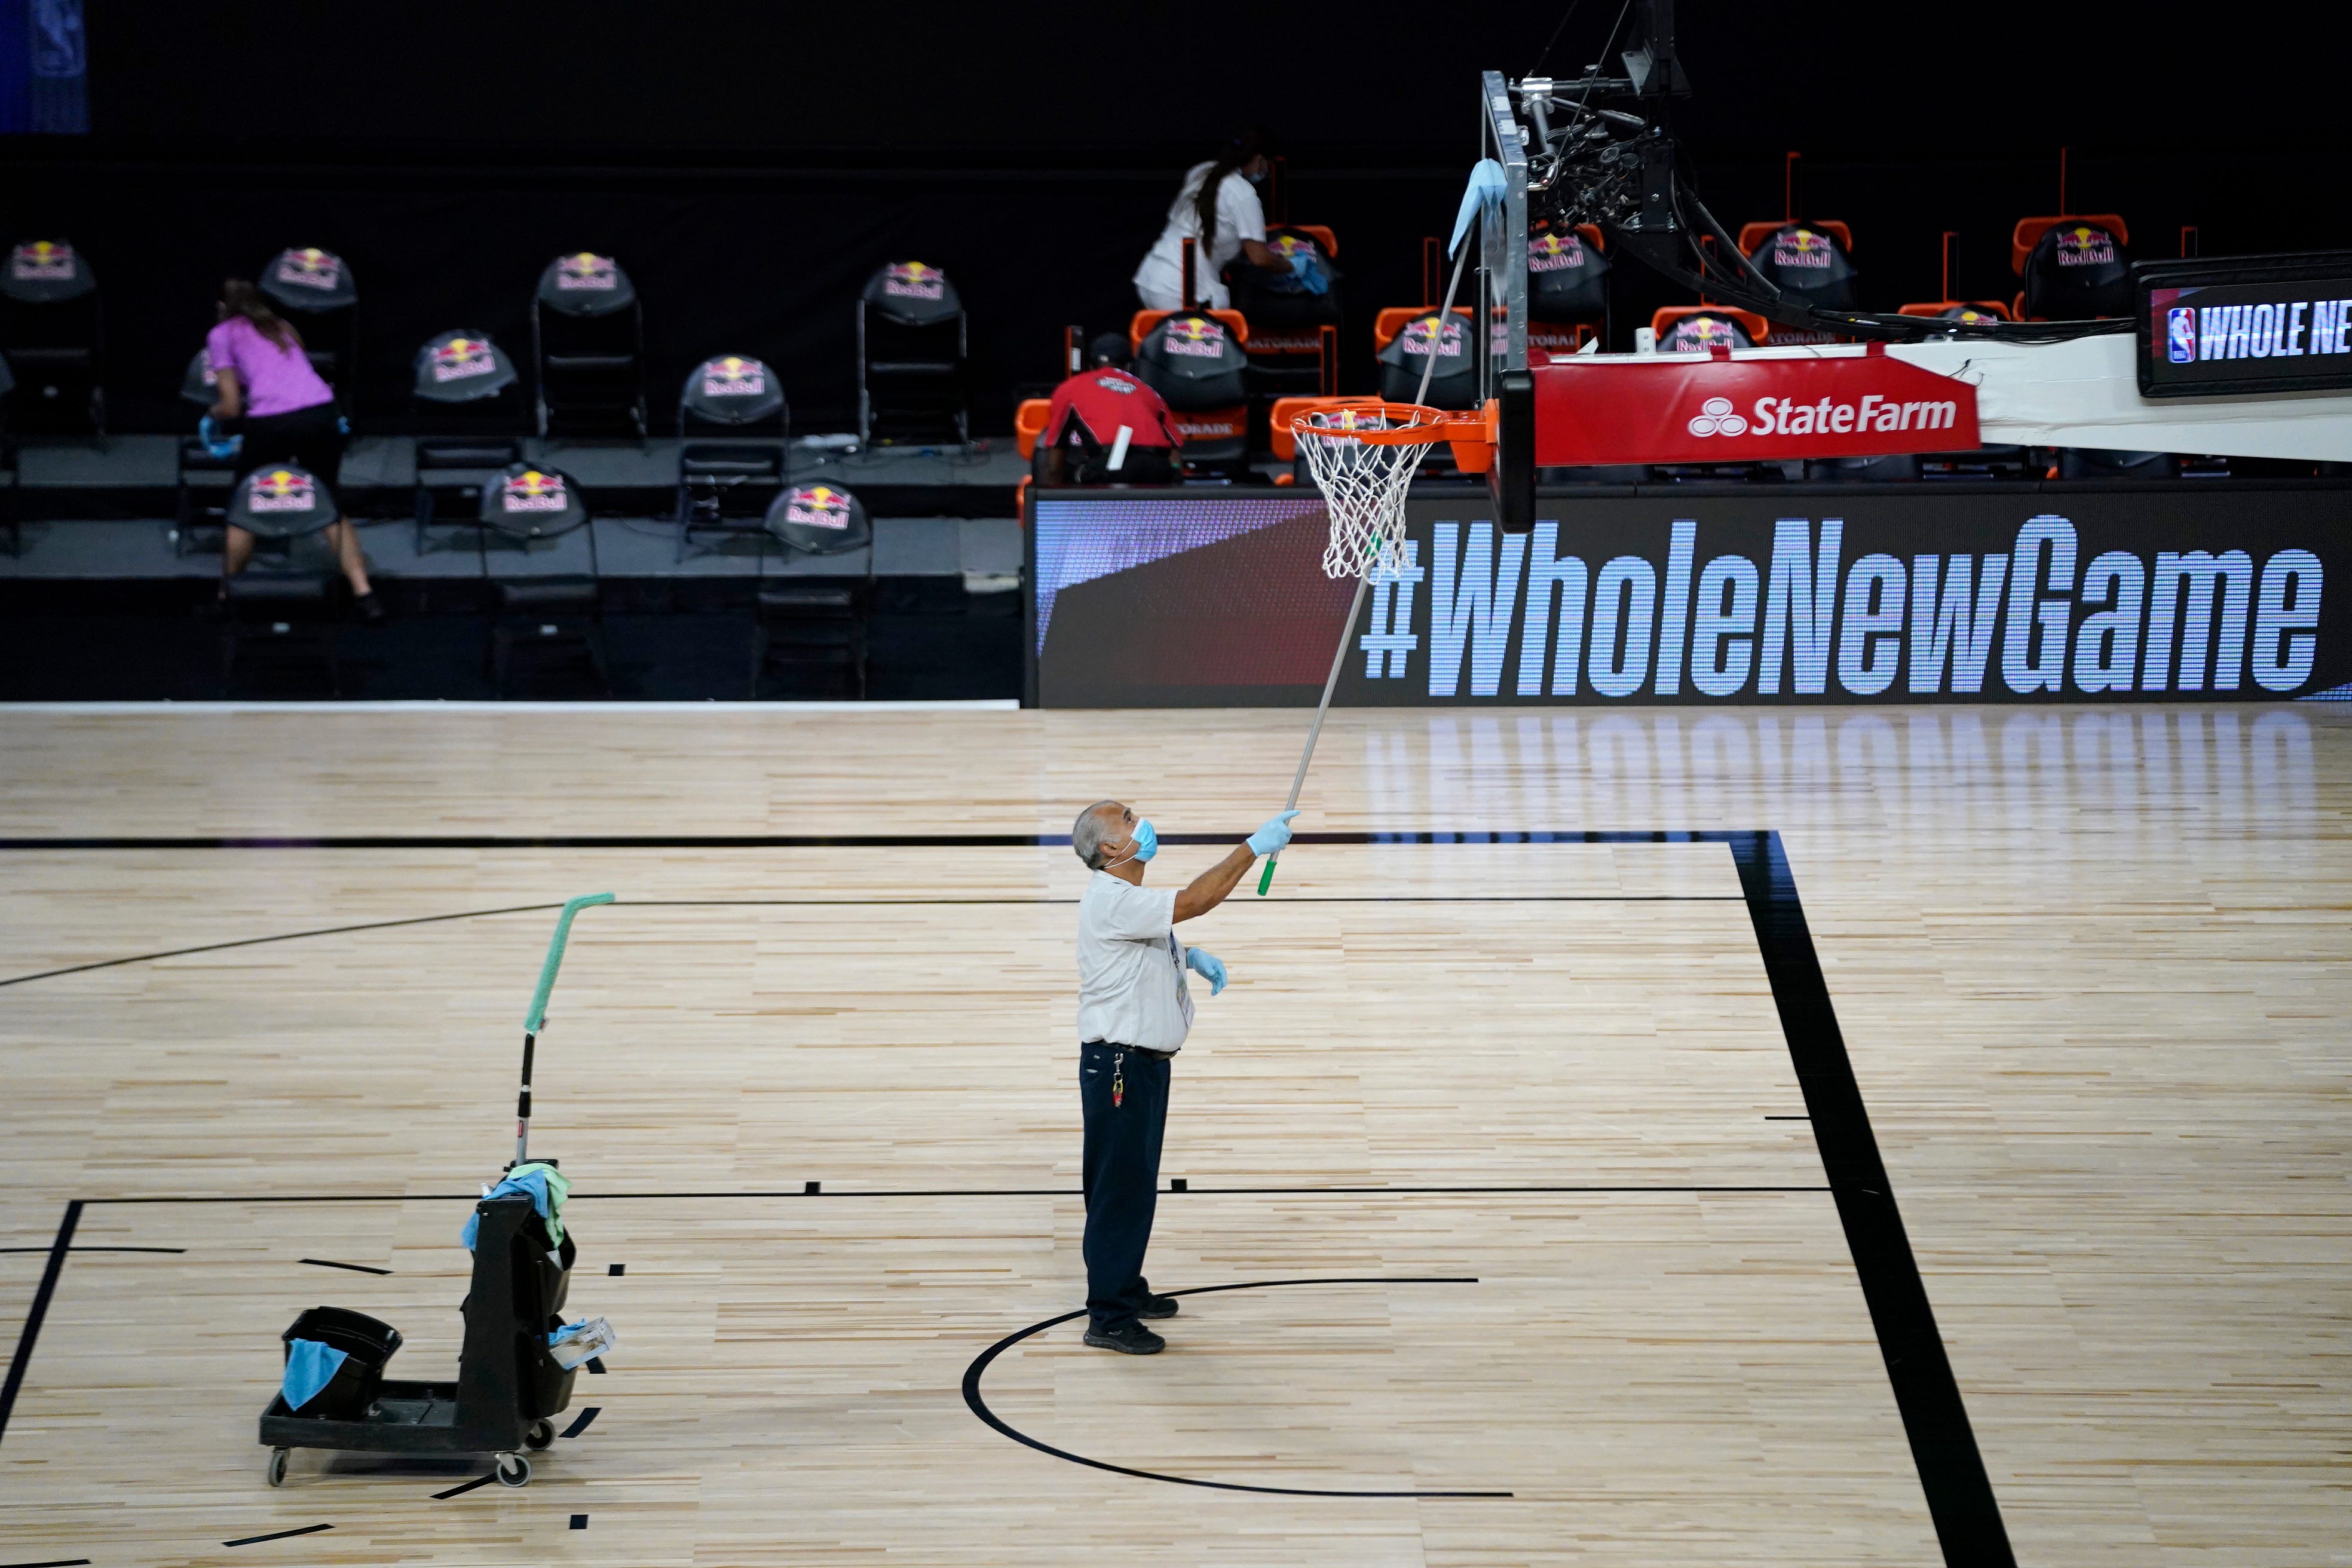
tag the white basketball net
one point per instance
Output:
(1363, 484)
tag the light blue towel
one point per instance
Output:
(1487, 188)
(542, 1184)
(310, 1367)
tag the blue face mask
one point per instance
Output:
(1146, 841)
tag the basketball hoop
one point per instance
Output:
(1362, 456)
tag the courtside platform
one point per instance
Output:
(103, 599)
(137, 476)
(1647, 1138)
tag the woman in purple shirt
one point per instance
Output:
(270, 395)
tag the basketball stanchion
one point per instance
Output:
(1362, 458)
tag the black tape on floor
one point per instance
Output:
(278, 1535)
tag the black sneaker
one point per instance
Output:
(369, 605)
(1157, 1306)
(1132, 1340)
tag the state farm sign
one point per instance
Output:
(1683, 409)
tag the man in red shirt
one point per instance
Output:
(1106, 427)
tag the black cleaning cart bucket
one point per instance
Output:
(366, 1345)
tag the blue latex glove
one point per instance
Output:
(220, 447)
(1487, 189)
(1310, 277)
(1272, 835)
(1208, 966)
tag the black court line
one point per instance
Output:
(23, 1359)
(173, 1249)
(1951, 1470)
(840, 840)
(354, 1268)
(278, 1535)
(1943, 1446)
(857, 903)
(462, 1488)
(1302, 1191)
(259, 941)
(971, 1396)
(52, 1562)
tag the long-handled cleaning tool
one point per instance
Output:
(536, 1020)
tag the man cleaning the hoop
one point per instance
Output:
(1133, 1011)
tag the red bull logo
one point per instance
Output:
(731, 377)
(586, 270)
(915, 281)
(1970, 313)
(818, 506)
(1418, 336)
(461, 357)
(280, 490)
(1556, 252)
(2082, 245)
(42, 261)
(311, 268)
(1693, 334)
(1291, 245)
(1802, 248)
(1200, 337)
(533, 491)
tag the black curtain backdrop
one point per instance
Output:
(750, 165)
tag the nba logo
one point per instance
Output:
(2180, 334)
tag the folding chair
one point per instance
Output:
(913, 348)
(53, 335)
(588, 335)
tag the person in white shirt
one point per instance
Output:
(1218, 206)
(1134, 1011)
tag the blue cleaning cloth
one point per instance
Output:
(542, 1184)
(220, 447)
(1487, 188)
(1310, 277)
(310, 1367)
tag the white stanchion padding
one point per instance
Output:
(2086, 394)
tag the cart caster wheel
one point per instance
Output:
(541, 1434)
(514, 1470)
(276, 1471)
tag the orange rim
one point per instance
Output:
(1406, 424)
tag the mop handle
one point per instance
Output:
(537, 1019)
(1330, 684)
(1348, 627)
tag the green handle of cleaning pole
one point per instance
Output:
(1265, 878)
(537, 1017)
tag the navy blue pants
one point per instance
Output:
(1120, 1174)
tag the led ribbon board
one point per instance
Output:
(2224, 327)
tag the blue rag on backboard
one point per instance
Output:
(1487, 188)
(310, 1367)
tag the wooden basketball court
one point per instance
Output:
(1509, 1236)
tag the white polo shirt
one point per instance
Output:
(1240, 216)
(1131, 966)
